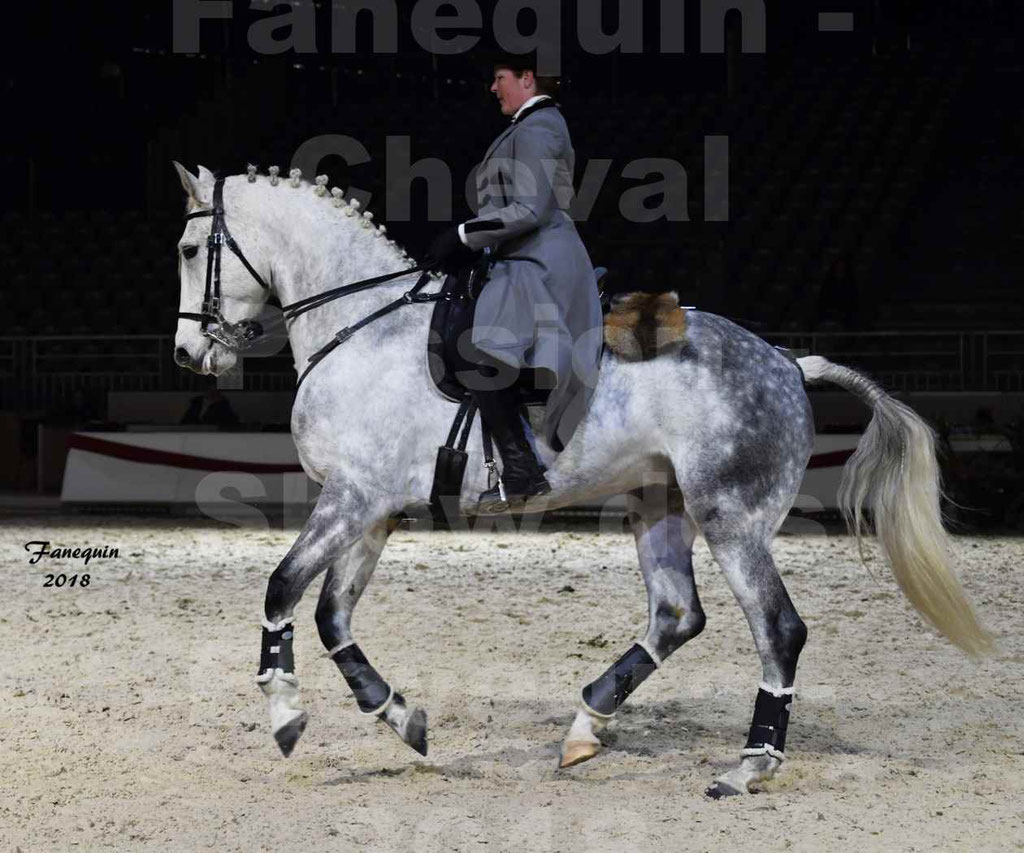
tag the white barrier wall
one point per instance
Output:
(221, 469)
(191, 468)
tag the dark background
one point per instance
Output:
(875, 177)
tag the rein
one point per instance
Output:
(242, 335)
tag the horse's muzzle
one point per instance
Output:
(182, 358)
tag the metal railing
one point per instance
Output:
(1004, 357)
(40, 372)
(43, 372)
(922, 361)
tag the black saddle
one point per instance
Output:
(453, 314)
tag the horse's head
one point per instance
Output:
(220, 297)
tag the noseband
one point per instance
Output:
(236, 336)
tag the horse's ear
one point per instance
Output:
(206, 176)
(189, 182)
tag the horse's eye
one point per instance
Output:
(189, 252)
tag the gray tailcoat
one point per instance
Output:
(540, 308)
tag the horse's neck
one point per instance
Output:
(321, 259)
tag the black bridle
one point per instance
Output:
(213, 325)
(243, 334)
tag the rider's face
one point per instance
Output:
(513, 91)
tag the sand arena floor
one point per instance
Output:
(130, 717)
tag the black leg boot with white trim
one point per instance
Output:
(766, 743)
(279, 684)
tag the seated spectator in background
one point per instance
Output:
(79, 409)
(211, 409)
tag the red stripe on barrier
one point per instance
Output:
(151, 456)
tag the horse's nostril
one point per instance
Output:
(181, 357)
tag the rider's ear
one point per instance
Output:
(190, 183)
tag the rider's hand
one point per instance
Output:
(448, 253)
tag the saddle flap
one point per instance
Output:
(453, 315)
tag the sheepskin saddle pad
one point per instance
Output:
(642, 326)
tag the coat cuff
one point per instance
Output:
(462, 234)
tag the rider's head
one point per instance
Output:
(516, 81)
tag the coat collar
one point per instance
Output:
(530, 105)
(545, 103)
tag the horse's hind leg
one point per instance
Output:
(340, 519)
(664, 540)
(342, 589)
(779, 635)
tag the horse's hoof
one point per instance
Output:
(720, 790)
(410, 726)
(576, 752)
(416, 731)
(288, 735)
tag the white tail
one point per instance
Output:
(895, 475)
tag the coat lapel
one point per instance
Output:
(501, 138)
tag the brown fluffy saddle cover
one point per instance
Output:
(642, 326)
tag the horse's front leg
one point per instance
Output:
(342, 589)
(342, 516)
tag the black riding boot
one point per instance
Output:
(522, 475)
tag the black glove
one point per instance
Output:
(448, 253)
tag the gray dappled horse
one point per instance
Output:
(722, 419)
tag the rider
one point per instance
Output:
(540, 309)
